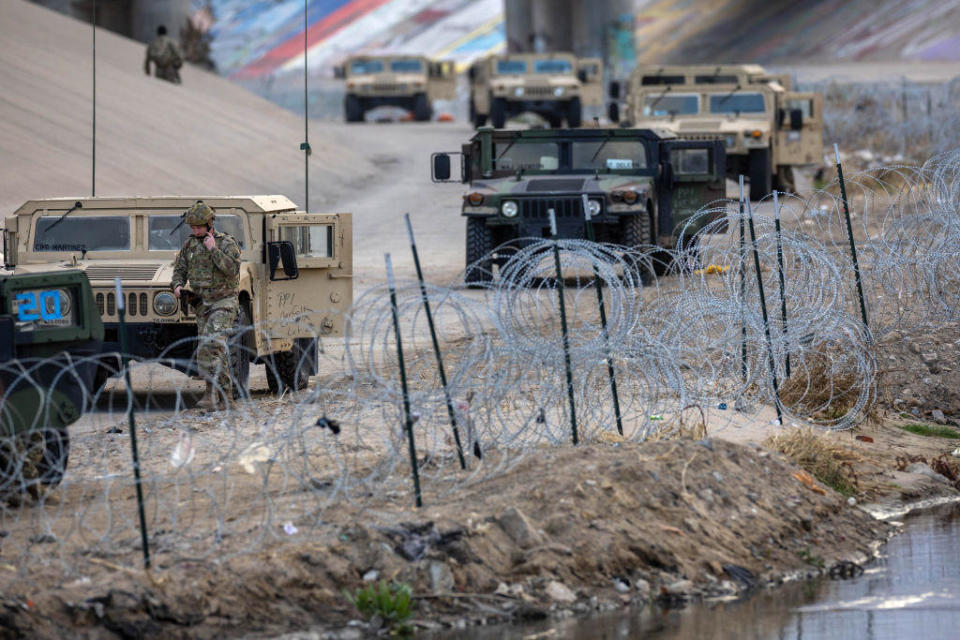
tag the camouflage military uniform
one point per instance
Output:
(166, 58)
(214, 275)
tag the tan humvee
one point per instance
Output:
(408, 81)
(767, 128)
(295, 276)
(556, 86)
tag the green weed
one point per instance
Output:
(931, 430)
(392, 602)
(807, 556)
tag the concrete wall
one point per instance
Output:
(137, 19)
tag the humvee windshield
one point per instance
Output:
(608, 154)
(86, 233)
(526, 155)
(552, 66)
(737, 103)
(661, 105)
(360, 67)
(511, 66)
(406, 66)
(162, 236)
(565, 156)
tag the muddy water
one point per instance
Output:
(913, 592)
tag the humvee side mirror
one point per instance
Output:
(614, 90)
(441, 167)
(796, 119)
(582, 75)
(282, 252)
(339, 72)
(613, 112)
(6, 338)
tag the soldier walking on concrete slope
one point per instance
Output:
(210, 261)
(166, 57)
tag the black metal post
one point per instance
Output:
(766, 321)
(783, 293)
(125, 362)
(436, 344)
(408, 421)
(563, 325)
(603, 319)
(305, 146)
(743, 290)
(93, 137)
(853, 246)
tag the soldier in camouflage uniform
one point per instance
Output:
(210, 261)
(165, 55)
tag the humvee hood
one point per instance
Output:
(561, 184)
(154, 272)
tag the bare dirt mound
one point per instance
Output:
(666, 521)
(204, 136)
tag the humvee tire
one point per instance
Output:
(574, 113)
(33, 461)
(291, 369)
(498, 112)
(421, 108)
(761, 175)
(479, 244)
(555, 120)
(634, 236)
(353, 110)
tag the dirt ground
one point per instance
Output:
(603, 525)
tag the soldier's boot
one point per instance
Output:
(207, 403)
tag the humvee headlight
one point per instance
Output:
(164, 303)
(593, 206)
(558, 91)
(629, 197)
(53, 303)
(509, 209)
(475, 198)
(518, 91)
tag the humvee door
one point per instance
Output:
(692, 175)
(442, 83)
(304, 305)
(590, 73)
(799, 129)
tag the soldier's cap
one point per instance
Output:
(199, 214)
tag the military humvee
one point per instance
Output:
(50, 334)
(767, 129)
(407, 81)
(295, 276)
(556, 86)
(643, 186)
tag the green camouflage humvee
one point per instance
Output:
(642, 186)
(50, 333)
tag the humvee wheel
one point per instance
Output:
(291, 369)
(479, 246)
(498, 112)
(634, 236)
(555, 120)
(353, 110)
(421, 108)
(240, 349)
(761, 175)
(574, 113)
(784, 180)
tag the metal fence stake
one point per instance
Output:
(783, 293)
(853, 246)
(436, 343)
(125, 362)
(563, 325)
(408, 421)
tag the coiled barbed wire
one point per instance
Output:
(685, 336)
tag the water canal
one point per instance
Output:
(911, 592)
